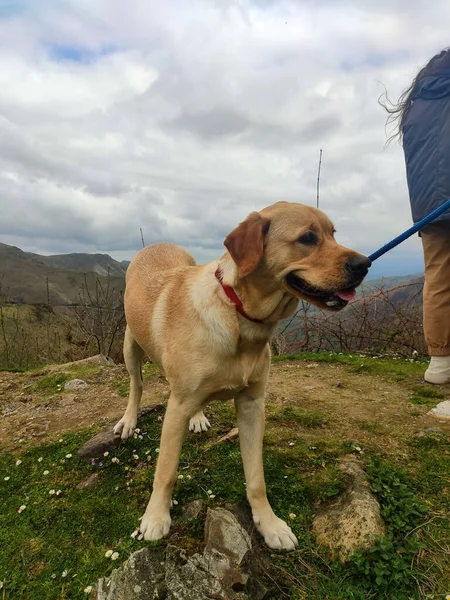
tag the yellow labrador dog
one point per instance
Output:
(208, 327)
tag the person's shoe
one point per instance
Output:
(439, 370)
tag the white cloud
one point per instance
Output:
(181, 118)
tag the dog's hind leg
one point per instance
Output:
(155, 523)
(199, 422)
(133, 355)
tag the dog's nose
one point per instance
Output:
(358, 265)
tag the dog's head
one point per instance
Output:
(294, 246)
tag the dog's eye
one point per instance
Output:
(309, 239)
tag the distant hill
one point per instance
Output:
(387, 283)
(24, 275)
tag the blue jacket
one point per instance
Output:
(426, 141)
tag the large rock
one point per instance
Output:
(189, 579)
(140, 578)
(219, 573)
(353, 521)
(224, 534)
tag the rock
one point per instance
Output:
(140, 578)
(75, 385)
(192, 510)
(442, 410)
(89, 481)
(353, 521)
(100, 443)
(429, 431)
(224, 533)
(188, 578)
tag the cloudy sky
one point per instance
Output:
(182, 117)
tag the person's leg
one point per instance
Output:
(436, 300)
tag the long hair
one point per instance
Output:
(397, 112)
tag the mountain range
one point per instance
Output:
(27, 278)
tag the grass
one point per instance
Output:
(396, 367)
(73, 530)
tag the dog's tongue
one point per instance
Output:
(346, 295)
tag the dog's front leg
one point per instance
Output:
(155, 523)
(250, 407)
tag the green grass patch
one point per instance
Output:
(393, 367)
(427, 392)
(50, 384)
(293, 415)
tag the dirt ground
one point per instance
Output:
(372, 409)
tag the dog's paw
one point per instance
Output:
(155, 526)
(125, 427)
(276, 533)
(199, 423)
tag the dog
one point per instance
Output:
(208, 328)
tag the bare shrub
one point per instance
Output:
(378, 322)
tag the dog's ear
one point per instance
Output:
(246, 243)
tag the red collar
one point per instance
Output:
(231, 294)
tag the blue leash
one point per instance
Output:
(409, 232)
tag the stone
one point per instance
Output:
(441, 411)
(100, 443)
(75, 385)
(188, 578)
(141, 577)
(352, 522)
(192, 510)
(224, 533)
(89, 481)
(429, 431)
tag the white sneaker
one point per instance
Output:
(439, 370)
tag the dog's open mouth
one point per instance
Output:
(334, 299)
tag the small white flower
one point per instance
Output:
(88, 589)
(291, 444)
(188, 477)
(6, 478)
(58, 492)
(140, 437)
(40, 459)
(137, 430)
(68, 456)
(136, 457)
(134, 534)
(64, 574)
(180, 476)
(115, 460)
(148, 452)
(105, 454)
(212, 496)
(209, 492)
(22, 508)
(292, 515)
(60, 440)
(174, 502)
(108, 553)
(18, 462)
(46, 472)
(115, 556)
(157, 450)
(52, 492)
